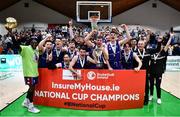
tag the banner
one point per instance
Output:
(9, 66)
(173, 63)
(96, 90)
(11, 79)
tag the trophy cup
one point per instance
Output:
(98, 53)
(11, 23)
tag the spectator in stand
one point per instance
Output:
(134, 45)
(8, 49)
(176, 50)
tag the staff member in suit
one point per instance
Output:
(157, 69)
(145, 56)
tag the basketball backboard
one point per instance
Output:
(86, 9)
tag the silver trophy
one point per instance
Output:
(98, 54)
(94, 21)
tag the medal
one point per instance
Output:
(155, 57)
(82, 62)
(142, 55)
(66, 65)
(154, 62)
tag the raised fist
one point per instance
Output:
(149, 31)
(70, 22)
(123, 26)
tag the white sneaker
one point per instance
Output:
(150, 98)
(26, 103)
(33, 109)
(159, 100)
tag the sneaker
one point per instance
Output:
(150, 98)
(159, 100)
(33, 109)
(26, 103)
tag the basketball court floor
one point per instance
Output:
(170, 107)
(85, 12)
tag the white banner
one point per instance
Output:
(173, 63)
(11, 79)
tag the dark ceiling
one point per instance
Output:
(67, 7)
(173, 3)
(7, 3)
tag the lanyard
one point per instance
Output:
(134, 49)
(47, 55)
(82, 62)
(113, 46)
(142, 55)
(127, 57)
(156, 56)
(72, 53)
(58, 52)
(66, 65)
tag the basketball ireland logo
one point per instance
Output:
(91, 75)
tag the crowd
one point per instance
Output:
(105, 48)
(8, 42)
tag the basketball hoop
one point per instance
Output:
(94, 20)
(88, 8)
